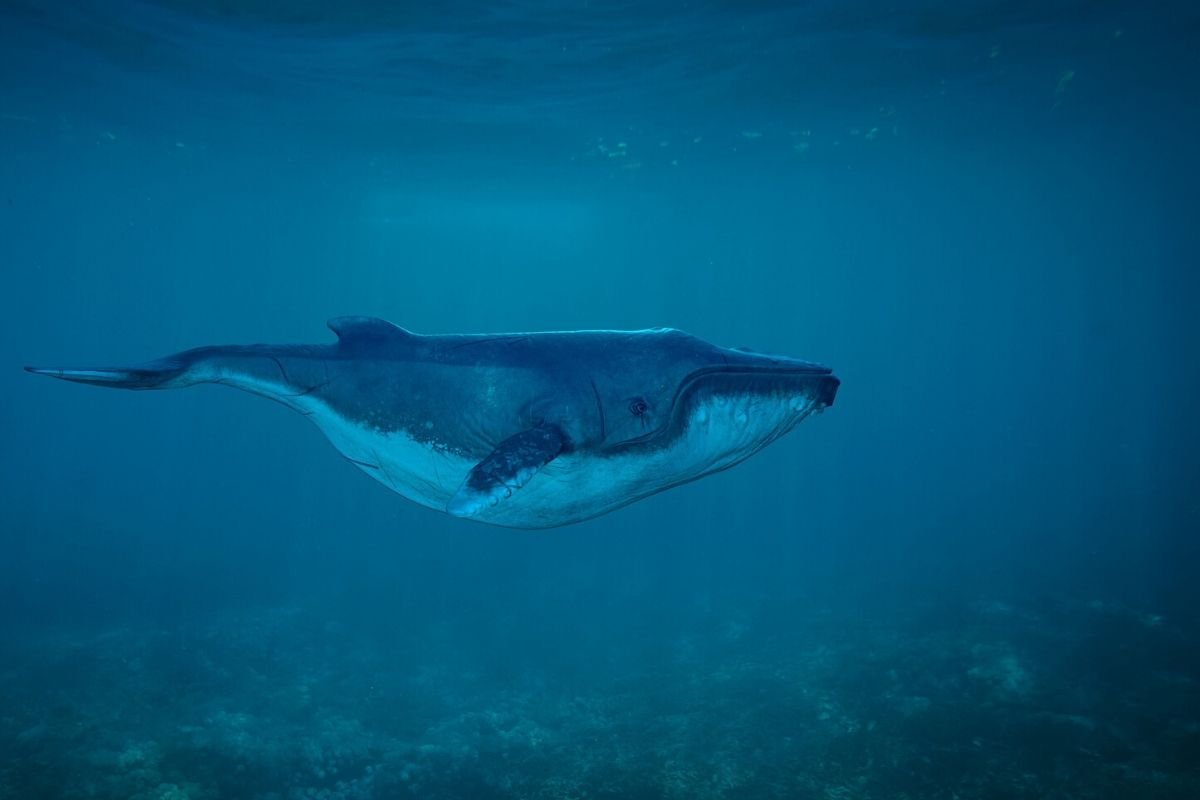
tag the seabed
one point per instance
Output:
(1068, 700)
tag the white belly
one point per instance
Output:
(572, 487)
(575, 486)
(422, 472)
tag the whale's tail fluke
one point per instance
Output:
(279, 372)
(163, 374)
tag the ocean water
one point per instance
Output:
(975, 576)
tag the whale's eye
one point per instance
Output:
(638, 406)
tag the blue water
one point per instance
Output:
(974, 576)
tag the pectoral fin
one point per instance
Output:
(506, 469)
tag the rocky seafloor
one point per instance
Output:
(1073, 700)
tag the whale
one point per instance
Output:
(522, 430)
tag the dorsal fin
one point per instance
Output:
(359, 329)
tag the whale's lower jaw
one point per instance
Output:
(584, 485)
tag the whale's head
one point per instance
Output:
(687, 408)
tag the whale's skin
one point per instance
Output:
(524, 430)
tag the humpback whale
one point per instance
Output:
(523, 430)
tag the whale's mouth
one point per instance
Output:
(801, 386)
